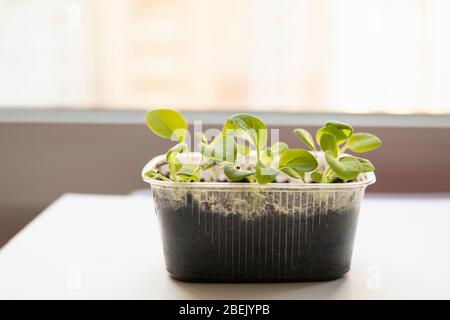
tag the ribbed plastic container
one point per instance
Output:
(242, 232)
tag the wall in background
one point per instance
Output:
(39, 162)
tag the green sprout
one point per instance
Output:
(334, 138)
(243, 133)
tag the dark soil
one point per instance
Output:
(203, 245)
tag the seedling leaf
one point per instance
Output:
(340, 130)
(174, 163)
(153, 174)
(298, 159)
(265, 174)
(234, 174)
(167, 123)
(270, 153)
(363, 142)
(223, 148)
(317, 177)
(278, 148)
(328, 142)
(208, 164)
(306, 137)
(346, 168)
(367, 166)
(293, 173)
(254, 127)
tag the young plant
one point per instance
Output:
(169, 124)
(334, 138)
(243, 133)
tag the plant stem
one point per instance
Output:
(163, 178)
(199, 168)
(326, 172)
(194, 175)
(344, 147)
(173, 175)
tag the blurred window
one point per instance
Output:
(353, 56)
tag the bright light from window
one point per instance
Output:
(352, 56)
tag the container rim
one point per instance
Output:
(364, 180)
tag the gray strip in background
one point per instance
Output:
(22, 115)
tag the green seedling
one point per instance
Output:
(267, 161)
(334, 138)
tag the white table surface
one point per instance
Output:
(108, 247)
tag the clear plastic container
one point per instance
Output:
(238, 232)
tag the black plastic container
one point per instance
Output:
(241, 232)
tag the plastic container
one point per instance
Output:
(242, 232)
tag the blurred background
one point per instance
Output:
(77, 75)
(290, 55)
